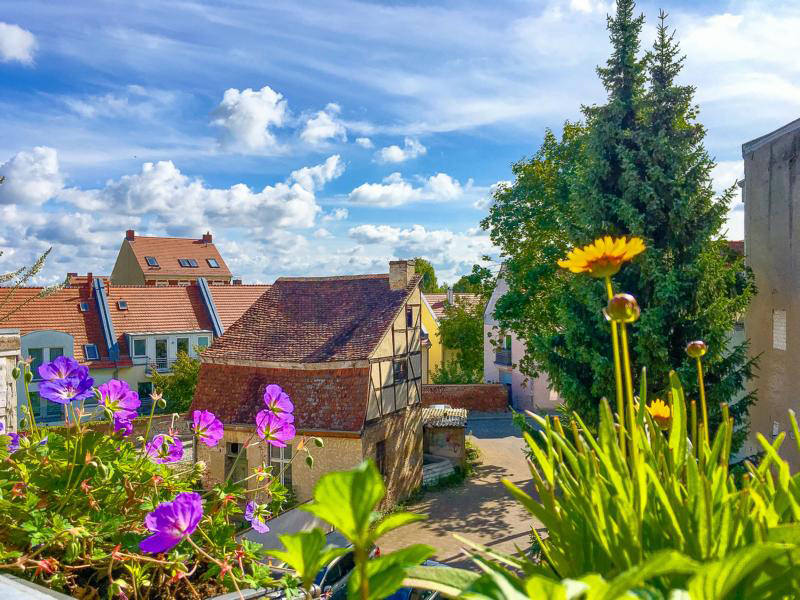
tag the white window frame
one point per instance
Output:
(133, 349)
(277, 463)
(96, 352)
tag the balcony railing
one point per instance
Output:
(503, 357)
(162, 365)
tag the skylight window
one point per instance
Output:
(90, 351)
(212, 262)
(192, 262)
(187, 262)
(151, 261)
(83, 307)
(122, 304)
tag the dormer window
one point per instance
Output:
(90, 351)
(212, 262)
(151, 261)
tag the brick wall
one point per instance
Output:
(484, 397)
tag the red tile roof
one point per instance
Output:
(439, 301)
(737, 246)
(233, 300)
(168, 250)
(58, 312)
(313, 320)
(75, 280)
(328, 399)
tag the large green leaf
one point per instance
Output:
(386, 573)
(714, 581)
(446, 580)
(677, 432)
(393, 521)
(666, 562)
(347, 500)
(307, 553)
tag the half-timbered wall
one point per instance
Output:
(396, 363)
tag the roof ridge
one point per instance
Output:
(335, 277)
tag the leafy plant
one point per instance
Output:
(177, 387)
(461, 330)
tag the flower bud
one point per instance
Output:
(161, 403)
(28, 376)
(15, 373)
(696, 349)
(200, 467)
(622, 308)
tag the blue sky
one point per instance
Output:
(327, 137)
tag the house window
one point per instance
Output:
(184, 262)
(151, 261)
(202, 342)
(84, 306)
(192, 263)
(380, 457)
(280, 459)
(37, 354)
(409, 317)
(235, 467)
(53, 412)
(90, 351)
(122, 304)
(183, 345)
(36, 405)
(212, 262)
(183, 283)
(400, 370)
(162, 283)
(507, 343)
(139, 347)
(145, 388)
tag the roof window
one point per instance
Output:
(122, 304)
(83, 307)
(151, 261)
(187, 262)
(90, 351)
(212, 262)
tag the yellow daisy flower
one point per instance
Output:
(604, 257)
(660, 412)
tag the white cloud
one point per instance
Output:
(337, 214)
(135, 101)
(16, 43)
(365, 142)
(396, 191)
(395, 154)
(245, 118)
(322, 233)
(487, 199)
(324, 126)
(313, 178)
(32, 178)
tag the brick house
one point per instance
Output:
(348, 352)
(147, 260)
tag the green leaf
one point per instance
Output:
(393, 521)
(307, 553)
(386, 573)
(716, 580)
(677, 432)
(347, 500)
(661, 563)
(446, 580)
(546, 589)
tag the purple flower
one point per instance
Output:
(275, 430)
(278, 402)
(207, 427)
(252, 512)
(62, 368)
(172, 521)
(122, 422)
(64, 391)
(117, 396)
(164, 449)
(13, 445)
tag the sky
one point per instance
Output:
(328, 137)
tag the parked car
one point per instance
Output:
(332, 580)
(415, 593)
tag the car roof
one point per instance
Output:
(334, 538)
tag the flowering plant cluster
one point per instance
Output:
(97, 511)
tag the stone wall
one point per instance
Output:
(9, 356)
(482, 397)
(446, 442)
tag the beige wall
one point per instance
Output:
(772, 249)
(9, 357)
(447, 442)
(126, 269)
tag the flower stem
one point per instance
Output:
(34, 427)
(702, 399)
(626, 359)
(617, 374)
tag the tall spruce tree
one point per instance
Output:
(642, 169)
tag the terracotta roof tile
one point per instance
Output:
(168, 250)
(439, 301)
(58, 312)
(315, 319)
(233, 300)
(737, 246)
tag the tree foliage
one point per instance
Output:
(429, 283)
(461, 329)
(479, 281)
(637, 166)
(178, 387)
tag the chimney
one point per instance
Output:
(237, 282)
(207, 237)
(89, 278)
(401, 272)
(450, 295)
(130, 235)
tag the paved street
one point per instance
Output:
(481, 509)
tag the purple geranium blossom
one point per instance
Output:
(207, 427)
(13, 445)
(62, 368)
(122, 422)
(164, 449)
(117, 396)
(64, 391)
(278, 402)
(275, 430)
(252, 513)
(172, 521)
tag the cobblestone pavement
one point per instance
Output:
(481, 509)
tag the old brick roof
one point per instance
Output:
(314, 320)
(59, 311)
(167, 250)
(439, 301)
(233, 300)
(737, 246)
(324, 399)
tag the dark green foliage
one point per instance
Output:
(178, 387)
(461, 329)
(480, 281)
(638, 167)
(425, 268)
